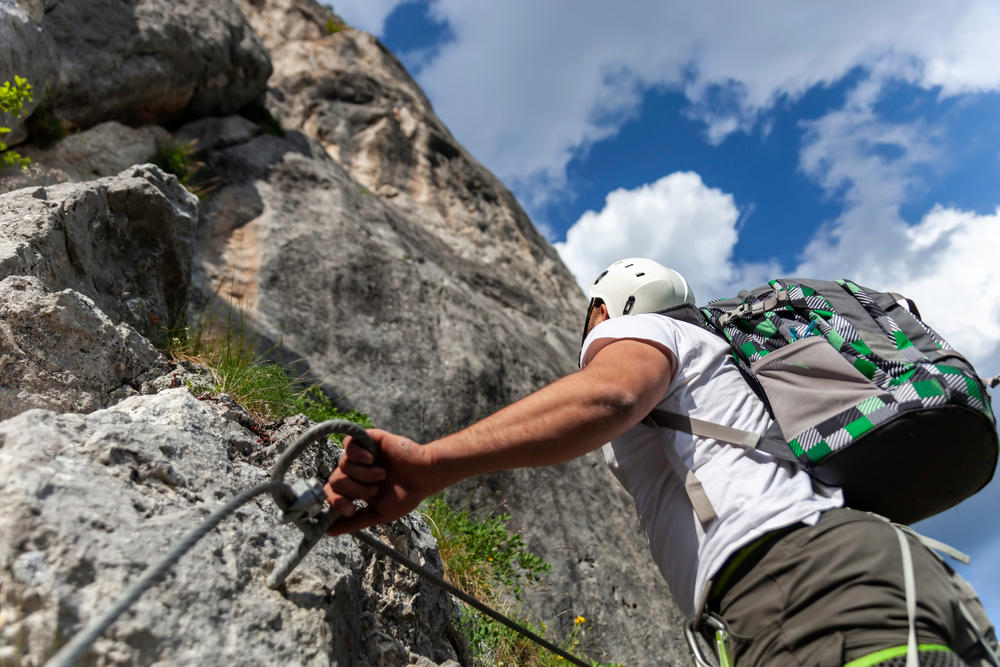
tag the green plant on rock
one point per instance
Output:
(178, 158)
(482, 555)
(264, 389)
(484, 559)
(332, 27)
(12, 101)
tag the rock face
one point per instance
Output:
(123, 241)
(346, 90)
(127, 484)
(58, 351)
(441, 272)
(362, 240)
(153, 61)
(28, 51)
(373, 246)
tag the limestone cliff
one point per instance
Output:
(363, 241)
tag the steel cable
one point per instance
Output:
(430, 576)
(284, 498)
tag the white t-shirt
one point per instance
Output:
(752, 492)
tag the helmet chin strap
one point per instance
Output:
(595, 303)
(586, 322)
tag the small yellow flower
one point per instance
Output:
(579, 620)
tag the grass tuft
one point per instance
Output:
(263, 388)
(178, 158)
(485, 560)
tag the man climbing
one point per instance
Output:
(795, 577)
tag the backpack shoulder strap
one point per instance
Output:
(687, 313)
(771, 441)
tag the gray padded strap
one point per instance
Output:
(699, 499)
(692, 486)
(706, 429)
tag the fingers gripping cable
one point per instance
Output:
(302, 509)
(302, 504)
(305, 509)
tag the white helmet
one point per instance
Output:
(640, 285)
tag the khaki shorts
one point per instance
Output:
(828, 594)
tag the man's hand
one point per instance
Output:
(394, 486)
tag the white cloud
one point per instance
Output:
(678, 221)
(367, 15)
(946, 262)
(526, 87)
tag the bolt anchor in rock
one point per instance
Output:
(302, 504)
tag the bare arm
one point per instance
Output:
(568, 418)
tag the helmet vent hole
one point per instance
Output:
(640, 274)
(600, 276)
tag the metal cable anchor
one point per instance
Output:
(302, 503)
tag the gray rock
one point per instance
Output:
(153, 61)
(411, 281)
(124, 241)
(103, 150)
(365, 242)
(389, 315)
(350, 93)
(25, 50)
(91, 501)
(59, 352)
(218, 132)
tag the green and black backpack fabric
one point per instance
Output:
(865, 395)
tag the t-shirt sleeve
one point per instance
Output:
(654, 329)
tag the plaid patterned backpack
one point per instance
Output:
(864, 394)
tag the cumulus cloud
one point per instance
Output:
(527, 89)
(678, 221)
(945, 261)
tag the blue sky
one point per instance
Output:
(736, 144)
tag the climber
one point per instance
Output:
(794, 576)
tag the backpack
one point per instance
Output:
(864, 395)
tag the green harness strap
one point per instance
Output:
(877, 657)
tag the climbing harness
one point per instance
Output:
(302, 505)
(706, 622)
